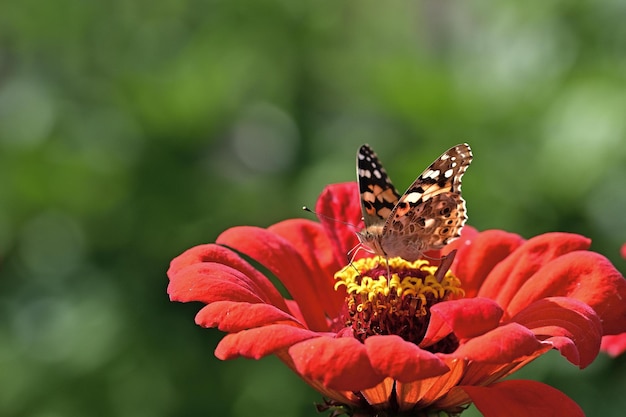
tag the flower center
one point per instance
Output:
(398, 305)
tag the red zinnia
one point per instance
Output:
(421, 341)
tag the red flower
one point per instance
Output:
(615, 345)
(508, 301)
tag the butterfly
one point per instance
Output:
(429, 215)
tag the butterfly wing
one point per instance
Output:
(432, 212)
(377, 193)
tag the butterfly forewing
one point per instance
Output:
(377, 193)
(429, 215)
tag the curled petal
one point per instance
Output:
(279, 256)
(210, 282)
(467, 317)
(229, 316)
(195, 267)
(568, 349)
(506, 278)
(585, 276)
(338, 363)
(392, 356)
(501, 345)
(478, 256)
(570, 325)
(261, 341)
(522, 398)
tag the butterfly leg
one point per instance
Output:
(388, 270)
(444, 266)
(352, 254)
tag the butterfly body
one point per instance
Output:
(429, 215)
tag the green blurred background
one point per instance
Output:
(133, 130)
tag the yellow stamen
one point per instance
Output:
(393, 296)
(426, 283)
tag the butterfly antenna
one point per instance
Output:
(305, 208)
(350, 258)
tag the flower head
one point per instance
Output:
(382, 336)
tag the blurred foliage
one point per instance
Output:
(131, 131)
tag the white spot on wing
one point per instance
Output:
(413, 197)
(432, 174)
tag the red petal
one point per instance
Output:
(623, 251)
(519, 398)
(426, 391)
(282, 259)
(379, 396)
(438, 328)
(189, 271)
(316, 250)
(506, 278)
(209, 282)
(261, 341)
(338, 363)
(570, 325)
(614, 345)
(504, 344)
(392, 356)
(467, 317)
(294, 310)
(478, 256)
(568, 349)
(340, 202)
(468, 234)
(311, 242)
(229, 316)
(585, 276)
